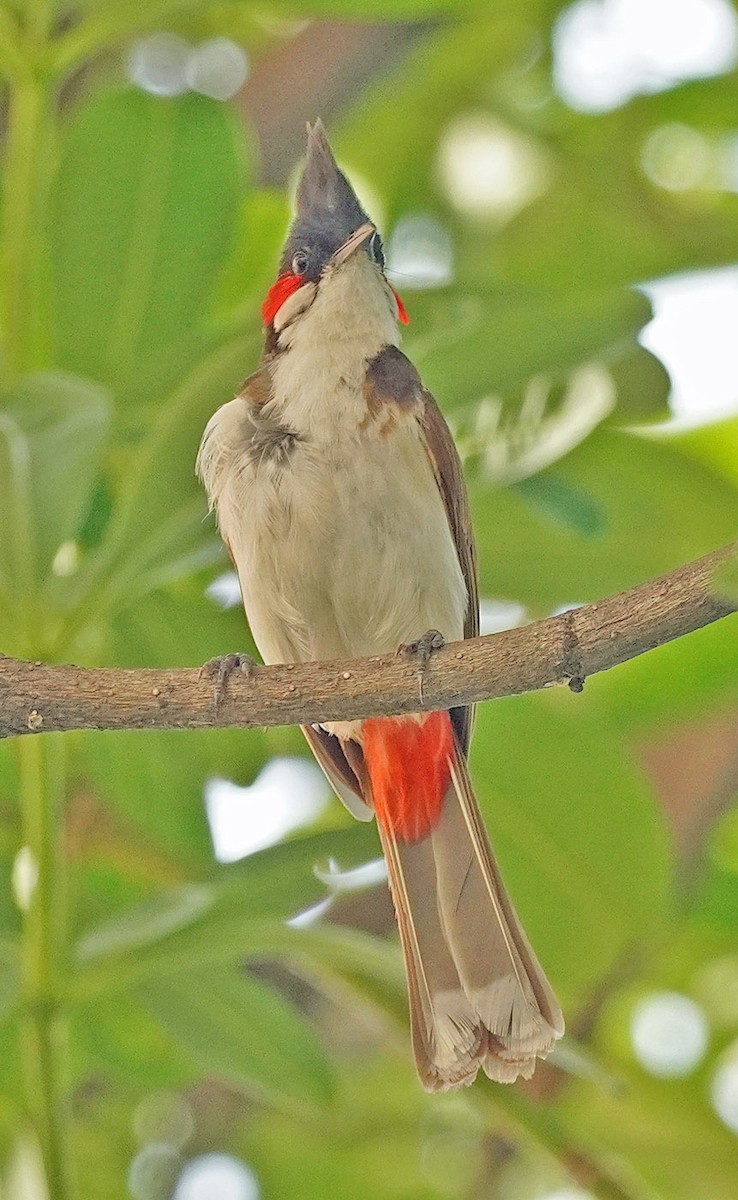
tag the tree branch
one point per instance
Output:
(37, 697)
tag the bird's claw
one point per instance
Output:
(221, 669)
(425, 646)
(422, 651)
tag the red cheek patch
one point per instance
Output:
(278, 293)
(401, 310)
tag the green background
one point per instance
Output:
(139, 235)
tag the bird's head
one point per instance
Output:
(332, 264)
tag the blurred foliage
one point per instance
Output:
(136, 246)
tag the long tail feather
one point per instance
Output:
(498, 970)
(447, 1040)
(478, 995)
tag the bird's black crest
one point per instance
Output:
(327, 209)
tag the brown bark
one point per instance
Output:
(39, 697)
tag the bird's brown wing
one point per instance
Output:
(446, 464)
(392, 379)
(332, 754)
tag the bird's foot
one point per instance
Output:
(422, 651)
(221, 669)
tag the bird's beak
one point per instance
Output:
(351, 245)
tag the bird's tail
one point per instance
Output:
(478, 995)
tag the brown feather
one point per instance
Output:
(446, 1036)
(256, 389)
(498, 969)
(331, 755)
(444, 458)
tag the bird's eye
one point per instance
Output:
(300, 262)
(375, 249)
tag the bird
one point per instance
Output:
(339, 494)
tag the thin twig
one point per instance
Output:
(566, 649)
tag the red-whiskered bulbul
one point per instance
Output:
(340, 496)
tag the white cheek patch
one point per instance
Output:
(294, 305)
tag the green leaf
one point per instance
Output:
(471, 345)
(150, 921)
(725, 580)
(370, 966)
(9, 974)
(581, 841)
(177, 628)
(143, 208)
(686, 678)
(155, 782)
(386, 10)
(119, 1037)
(11, 840)
(624, 520)
(642, 384)
(563, 503)
(52, 427)
(237, 912)
(161, 473)
(386, 1141)
(183, 13)
(157, 532)
(715, 905)
(237, 1027)
(251, 267)
(450, 70)
(664, 1129)
(603, 220)
(600, 220)
(715, 445)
